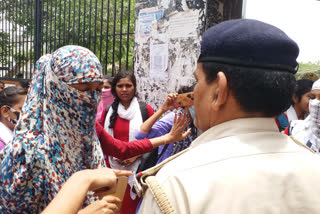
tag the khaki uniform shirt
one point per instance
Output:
(241, 166)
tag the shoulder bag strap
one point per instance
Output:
(144, 111)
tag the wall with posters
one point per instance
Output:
(167, 45)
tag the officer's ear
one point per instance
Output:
(220, 91)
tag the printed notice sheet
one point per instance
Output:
(184, 25)
(159, 61)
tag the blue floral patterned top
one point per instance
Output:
(55, 136)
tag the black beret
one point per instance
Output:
(250, 43)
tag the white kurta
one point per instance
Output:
(6, 134)
(291, 114)
(244, 166)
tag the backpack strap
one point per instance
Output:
(144, 111)
(104, 115)
(163, 150)
(107, 108)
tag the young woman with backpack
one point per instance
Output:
(121, 121)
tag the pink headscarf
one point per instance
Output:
(106, 99)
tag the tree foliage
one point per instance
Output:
(104, 26)
(309, 67)
(4, 39)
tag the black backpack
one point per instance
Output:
(150, 159)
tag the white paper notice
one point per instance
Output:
(184, 26)
(159, 61)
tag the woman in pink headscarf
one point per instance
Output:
(106, 97)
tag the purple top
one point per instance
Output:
(2, 144)
(162, 127)
(159, 128)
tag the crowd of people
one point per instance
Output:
(67, 141)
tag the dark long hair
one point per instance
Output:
(115, 104)
(302, 86)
